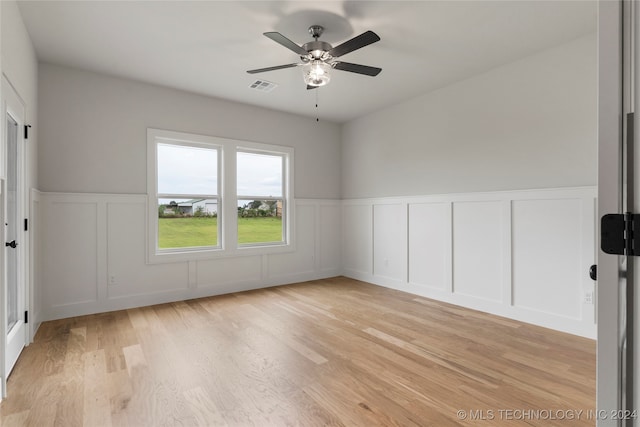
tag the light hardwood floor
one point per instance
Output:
(330, 352)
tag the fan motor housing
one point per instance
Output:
(317, 48)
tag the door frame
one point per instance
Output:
(8, 92)
(618, 366)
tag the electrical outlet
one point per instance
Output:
(588, 297)
(112, 280)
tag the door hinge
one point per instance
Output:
(26, 224)
(26, 131)
(26, 317)
(618, 234)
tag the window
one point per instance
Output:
(187, 198)
(211, 197)
(260, 189)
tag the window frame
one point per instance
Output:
(227, 198)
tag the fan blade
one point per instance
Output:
(279, 38)
(312, 87)
(277, 67)
(357, 42)
(357, 68)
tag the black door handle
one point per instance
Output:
(593, 272)
(11, 244)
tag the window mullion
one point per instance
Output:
(187, 196)
(230, 206)
(243, 197)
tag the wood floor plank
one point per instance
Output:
(204, 408)
(332, 352)
(134, 358)
(97, 410)
(70, 408)
(277, 329)
(48, 396)
(120, 389)
(16, 420)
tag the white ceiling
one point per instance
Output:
(206, 46)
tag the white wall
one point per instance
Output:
(528, 124)
(520, 254)
(94, 132)
(93, 203)
(20, 66)
(416, 214)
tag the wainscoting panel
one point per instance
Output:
(71, 233)
(430, 245)
(357, 239)
(477, 250)
(229, 271)
(390, 241)
(94, 260)
(302, 261)
(329, 231)
(127, 271)
(547, 240)
(519, 254)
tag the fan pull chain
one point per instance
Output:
(316, 91)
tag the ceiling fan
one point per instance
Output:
(319, 57)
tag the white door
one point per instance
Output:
(15, 297)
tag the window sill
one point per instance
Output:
(178, 256)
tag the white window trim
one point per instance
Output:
(227, 212)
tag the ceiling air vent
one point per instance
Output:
(263, 86)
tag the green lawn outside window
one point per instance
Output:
(193, 232)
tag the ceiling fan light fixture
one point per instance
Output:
(318, 57)
(316, 73)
